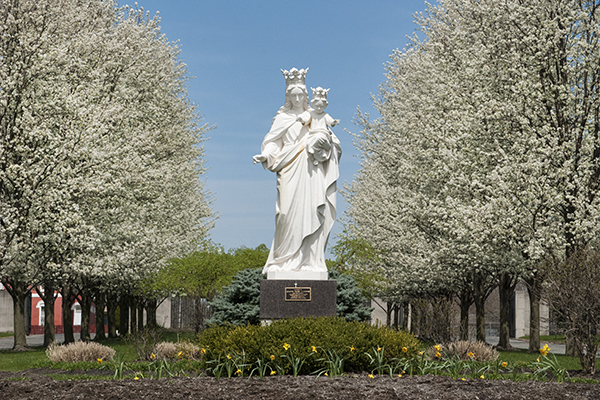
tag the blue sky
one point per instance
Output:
(235, 50)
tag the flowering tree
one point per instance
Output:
(101, 155)
(485, 158)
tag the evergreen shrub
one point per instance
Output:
(350, 339)
(239, 302)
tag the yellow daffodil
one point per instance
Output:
(314, 349)
(378, 349)
(273, 373)
(238, 372)
(203, 351)
(438, 354)
(470, 354)
(180, 354)
(544, 350)
(286, 346)
(152, 356)
(228, 357)
(326, 374)
(464, 379)
(482, 377)
(352, 349)
(272, 357)
(404, 349)
(99, 360)
(504, 364)
(136, 378)
(420, 353)
(371, 376)
(438, 347)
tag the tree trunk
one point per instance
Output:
(140, 310)
(151, 314)
(465, 299)
(111, 307)
(124, 316)
(133, 314)
(48, 296)
(19, 292)
(67, 302)
(533, 288)
(506, 289)
(396, 316)
(100, 303)
(479, 299)
(86, 310)
(388, 314)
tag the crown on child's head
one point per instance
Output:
(319, 93)
(294, 76)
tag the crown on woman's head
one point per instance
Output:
(319, 93)
(294, 76)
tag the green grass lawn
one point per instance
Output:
(522, 358)
(18, 361)
(6, 334)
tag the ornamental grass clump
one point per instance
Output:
(79, 351)
(177, 351)
(165, 350)
(465, 351)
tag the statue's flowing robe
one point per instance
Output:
(305, 209)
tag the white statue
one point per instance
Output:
(304, 152)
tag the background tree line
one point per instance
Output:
(484, 166)
(100, 155)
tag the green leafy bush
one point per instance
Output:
(349, 339)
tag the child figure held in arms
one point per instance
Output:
(319, 142)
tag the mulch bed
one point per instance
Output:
(35, 384)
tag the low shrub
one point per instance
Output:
(79, 351)
(145, 341)
(308, 339)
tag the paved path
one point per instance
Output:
(556, 348)
(34, 340)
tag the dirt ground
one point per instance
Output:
(34, 384)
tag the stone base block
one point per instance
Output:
(281, 299)
(298, 275)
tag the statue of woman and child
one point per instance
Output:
(301, 148)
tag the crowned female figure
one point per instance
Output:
(306, 186)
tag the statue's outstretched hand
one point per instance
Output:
(259, 158)
(335, 122)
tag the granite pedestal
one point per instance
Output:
(282, 298)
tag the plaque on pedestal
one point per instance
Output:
(281, 299)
